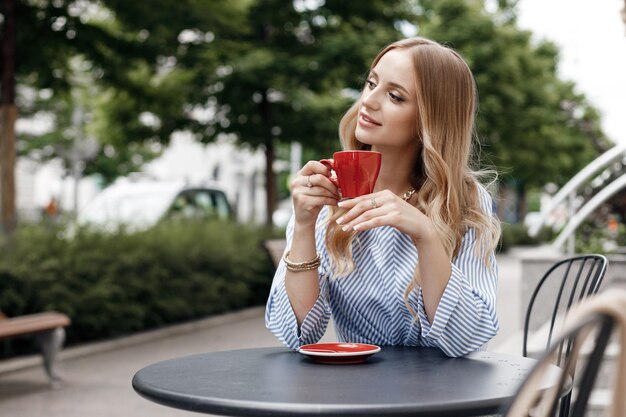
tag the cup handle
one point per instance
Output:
(329, 163)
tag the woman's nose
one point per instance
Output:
(370, 98)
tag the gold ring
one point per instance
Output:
(373, 201)
(308, 182)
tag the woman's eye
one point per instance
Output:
(395, 97)
(370, 84)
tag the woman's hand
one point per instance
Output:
(311, 190)
(384, 208)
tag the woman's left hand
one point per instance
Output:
(384, 208)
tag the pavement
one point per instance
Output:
(97, 377)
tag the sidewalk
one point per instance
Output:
(97, 378)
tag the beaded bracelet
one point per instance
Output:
(301, 266)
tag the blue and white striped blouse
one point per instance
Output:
(368, 305)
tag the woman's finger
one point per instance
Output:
(357, 206)
(313, 192)
(314, 167)
(374, 210)
(312, 181)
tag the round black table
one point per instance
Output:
(397, 381)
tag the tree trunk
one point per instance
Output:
(270, 182)
(7, 168)
(265, 110)
(8, 116)
(522, 203)
(502, 199)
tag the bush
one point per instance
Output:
(594, 236)
(115, 284)
(517, 235)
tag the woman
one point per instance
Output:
(412, 263)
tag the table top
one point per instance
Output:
(397, 381)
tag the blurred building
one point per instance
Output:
(239, 171)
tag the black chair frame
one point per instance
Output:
(587, 271)
(596, 269)
(604, 325)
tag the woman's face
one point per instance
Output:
(387, 108)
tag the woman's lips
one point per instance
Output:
(366, 120)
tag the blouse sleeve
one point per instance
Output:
(466, 316)
(279, 316)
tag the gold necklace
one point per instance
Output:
(406, 196)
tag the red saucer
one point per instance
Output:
(339, 353)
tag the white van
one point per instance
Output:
(141, 204)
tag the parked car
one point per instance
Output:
(141, 204)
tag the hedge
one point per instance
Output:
(116, 284)
(516, 234)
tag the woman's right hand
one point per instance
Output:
(311, 190)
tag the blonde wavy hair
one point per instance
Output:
(447, 187)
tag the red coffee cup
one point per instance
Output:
(356, 171)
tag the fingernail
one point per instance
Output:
(340, 220)
(340, 204)
(346, 228)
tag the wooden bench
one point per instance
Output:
(48, 329)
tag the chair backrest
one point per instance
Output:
(566, 283)
(591, 324)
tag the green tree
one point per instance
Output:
(271, 72)
(293, 71)
(533, 126)
(128, 52)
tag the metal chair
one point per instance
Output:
(591, 325)
(566, 283)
